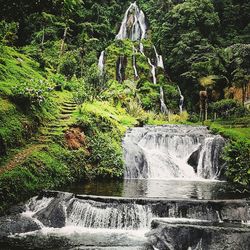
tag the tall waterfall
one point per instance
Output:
(133, 24)
(101, 62)
(168, 152)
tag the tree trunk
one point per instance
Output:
(63, 41)
(244, 90)
(42, 42)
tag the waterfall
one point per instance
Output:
(159, 59)
(142, 49)
(92, 214)
(208, 166)
(181, 100)
(153, 71)
(164, 108)
(133, 24)
(101, 62)
(164, 152)
(134, 62)
(119, 70)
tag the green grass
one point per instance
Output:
(234, 133)
(15, 68)
(115, 115)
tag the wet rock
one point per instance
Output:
(54, 214)
(194, 159)
(16, 224)
(203, 236)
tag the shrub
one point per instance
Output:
(237, 155)
(193, 118)
(228, 108)
(106, 155)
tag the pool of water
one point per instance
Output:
(169, 189)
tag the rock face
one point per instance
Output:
(54, 215)
(197, 236)
(16, 224)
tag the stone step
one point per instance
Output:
(66, 112)
(68, 109)
(69, 105)
(197, 235)
(64, 117)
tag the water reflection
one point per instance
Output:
(169, 189)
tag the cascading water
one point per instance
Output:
(153, 71)
(133, 25)
(164, 153)
(181, 100)
(141, 49)
(159, 59)
(101, 62)
(134, 63)
(160, 64)
(92, 214)
(164, 108)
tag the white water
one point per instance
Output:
(181, 100)
(163, 152)
(134, 63)
(153, 71)
(159, 59)
(142, 48)
(164, 108)
(133, 24)
(90, 214)
(101, 62)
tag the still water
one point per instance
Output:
(169, 189)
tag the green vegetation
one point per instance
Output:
(237, 151)
(50, 84)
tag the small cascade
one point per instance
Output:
(159, 59)
(208, 165)
(153, 71)
(92, 214)
(165, 153)
(134, 62)
(101, 62)
(133, 24)
(181, 100)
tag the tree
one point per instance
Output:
(206, 82)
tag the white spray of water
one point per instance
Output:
(163, 152)
(133, 24)
(181, 100)
(134, 62)
(101, 62)
(159, 59)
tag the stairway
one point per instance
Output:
(58, 126)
